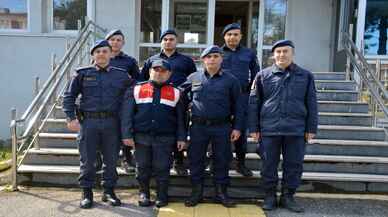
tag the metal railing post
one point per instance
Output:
(79, 25)
(14, 151)
(36, 85)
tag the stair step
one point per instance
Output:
(339, 118)
(335, 85)
(241, 187)
(350, 133)
(329, 75)
(343, 106)
(337, 95)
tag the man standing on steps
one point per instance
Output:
(153, 121)
(242, 63)
(283, 116)
(129, 64)
(102, 87)
(214, 96)
(181, 67)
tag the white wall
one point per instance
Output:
(22, 58)
(310, 25)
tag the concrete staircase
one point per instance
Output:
(348, 155)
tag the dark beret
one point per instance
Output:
(99, 43)
(114, 32)
(167, 32)
(229, 27)
(282, 43)
(210, 50)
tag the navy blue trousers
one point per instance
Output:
(219, 138)
(292, 149)
(153, 156)
(102, 135)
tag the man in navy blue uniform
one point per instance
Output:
(102, 87)
(242, 63)
(181, 67)
(283, 115)
(119, 59)
(153, 121)
(214, 97)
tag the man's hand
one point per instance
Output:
(309, 136)
(256, 136)
(129, 142)
(73, 125)
(181, 145)
(235, 135)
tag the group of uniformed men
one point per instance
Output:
(156, 110)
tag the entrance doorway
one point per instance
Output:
(246, 13)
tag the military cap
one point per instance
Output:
(167, 32)
(210, 50)
(114, 32)
(282, 43)
(229, 27)
(161, 63)
(99, 43)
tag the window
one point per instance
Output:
(13, 14)
(151, 18)
(376, 27)
(66, 14)
(189, 20)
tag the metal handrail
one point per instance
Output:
(361, 66)
(44, 103)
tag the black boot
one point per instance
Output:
(270, 200)
(242, 169)
(222, 196)
(180, 169)
(287, 201)
(144, 194)
(196, 195)
(110, 197)
(161, 194)
(87, 199)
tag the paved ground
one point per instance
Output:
(60, 202)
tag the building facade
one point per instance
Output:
(32, 30)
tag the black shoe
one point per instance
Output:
(127, 167)
(196, 195)
(110, 197)
(243, 170)
(144, 195)
(180, 169)
(161, 194)
(222, 196)
(87, 199)
(270, 201)
(287, 201)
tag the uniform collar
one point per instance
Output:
(276, 69)
(100, 69)
(219, 73)
(163, 55)
(224, 47)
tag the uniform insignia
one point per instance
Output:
(143, 93)
(169, 96)
(90, 78)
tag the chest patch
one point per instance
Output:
(143, 93)
(169, 96)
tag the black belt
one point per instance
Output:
(208, 121)
(98, 115)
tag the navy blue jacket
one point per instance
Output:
(153, 109)
(181, 65)
(215, 97)
(283, 102)
(242, 63)
(127, 63)
(101, 90)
